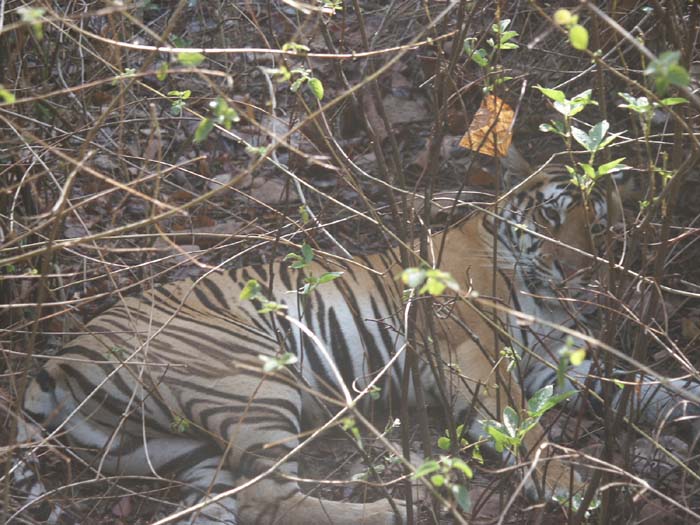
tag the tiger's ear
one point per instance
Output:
(515, 167)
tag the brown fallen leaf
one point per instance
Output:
(490, 132)
(123, 507)
(201, 237)
(271, 192)
(690, 328)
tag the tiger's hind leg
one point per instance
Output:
(258, 421)
(193, 460)
(125, 447)
(201, 481)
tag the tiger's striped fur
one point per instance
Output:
(190, 349)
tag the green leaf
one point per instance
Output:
(179, 424)
(561, 397)
(33, 16)
(663, 62)
(570, 108)
(307, 253)
(480, 57)
(627, 97)
(203, 130)
(577, 356)
(556, 126)
(271, 306)
(297, 84)
(413, 277)
(527, 425)
(545, 403)
(511, 421)
(477, 55)
(178, 41)
(612, 167)
(162, 71)
(6, 95)
(497, 432)
(537, 403)
(458, 464)
(585, 98)
(461, 495)
(225, 114)
(580, 136)
(316, 88)
(292, 257)
(476, 455)
(433, 286)
(672, 101)
(553, 94)
(273, 364)
(588, 171)
(190, 58)
(438, 480)
(662, 84)
(638, 105)
(443, 277)
(666, 71)
(579, 37)
(297, 48)
(563, 17)
(426, 469)
(608, 140)
(596, 134)
(250, 291)
(444, 443)
(678, 76)
(328, 277)
(303, 260)
(502, 26)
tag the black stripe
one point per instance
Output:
(205, 298)
(190, 459)
(374, 353)
(339, 347)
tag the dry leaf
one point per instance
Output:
(480, 177)
(373, 118)
(123, 507)
(690, 328)
(203, 221)
(490, 132)
(401, 110)
(271, 192)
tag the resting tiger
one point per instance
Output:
(189, 351)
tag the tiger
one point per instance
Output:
(192, 351)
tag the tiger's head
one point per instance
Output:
(550, 226)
